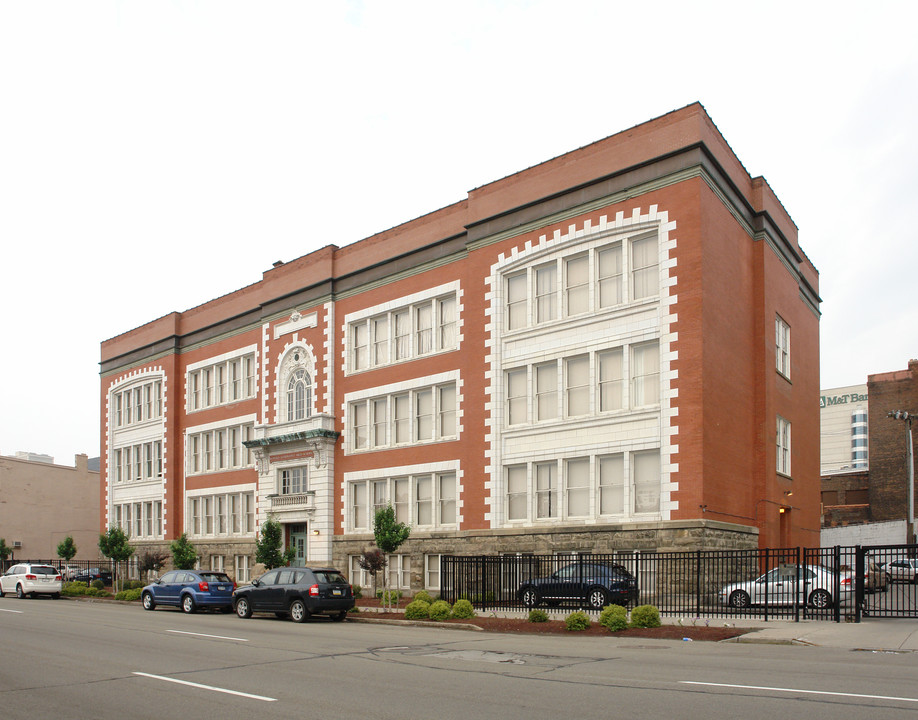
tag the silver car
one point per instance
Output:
(780, 587)
(28, 580)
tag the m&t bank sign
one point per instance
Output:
(829, 400)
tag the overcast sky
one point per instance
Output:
(156, 155)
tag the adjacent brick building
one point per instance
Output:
(608, 351)
(888, 393)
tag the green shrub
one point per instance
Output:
(74, 589)
(417, 610)
(357, 590)
(538, 616)
(614, 617)
(440, 610)
(423, 595)
(129, 594)
(577, 620)
(134, 584)
(463, 609)
(98, 584)
(645, 616)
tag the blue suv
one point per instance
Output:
(190, 590)
(593, 584)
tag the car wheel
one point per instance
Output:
(147, 601)
(739, 599)
(20, 594)
(530, 597)
(340, 616)
(820, 599)
(188, 604)
(243, 609)
(298, 611)
(597, 598)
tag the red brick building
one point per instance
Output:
(591, 354)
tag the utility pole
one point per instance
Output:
(907, 417)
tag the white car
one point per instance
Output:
(778, 586)
(28, 580)
(906, 570)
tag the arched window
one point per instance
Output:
(299, 395)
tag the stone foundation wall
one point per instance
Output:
(677, 536)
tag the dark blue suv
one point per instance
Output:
(190, 590)
(593, 584)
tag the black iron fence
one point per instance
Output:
(838, 583)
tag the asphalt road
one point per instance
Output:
(71, 659)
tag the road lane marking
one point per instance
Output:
(219, 637)
(805, 692)
(207, 687)
(12, 611)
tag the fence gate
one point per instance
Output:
(889, 574)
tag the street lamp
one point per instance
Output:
(907, 417)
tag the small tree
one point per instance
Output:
(66, 549)
(268, 546)
(150, 561)
(5, 549)
(114, 544)
(372, 561)
(184, 556)
(389, 534)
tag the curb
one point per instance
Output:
(416, 623)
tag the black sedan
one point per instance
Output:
(87, 576)
(593, 584)
(297, 592)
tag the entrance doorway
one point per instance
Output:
(298, 543)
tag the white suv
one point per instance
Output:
(28, 580)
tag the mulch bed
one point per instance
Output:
(557, 627)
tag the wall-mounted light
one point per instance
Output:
(315, 532)
(782, 510)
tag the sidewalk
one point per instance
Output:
(887, 635)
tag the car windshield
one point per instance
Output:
(331, 576)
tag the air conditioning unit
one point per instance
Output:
(17, 543)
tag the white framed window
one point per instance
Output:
(217, 563)
(645, 374)
(612, 484)
(577, 486)
(399, 569)
(621, 485)
(546, 391)
(217, 449)
(294, 481)
(645, 271)
(242, 564)
(610, 394)
(782, 346)
(403, 333)
(432, 572)
(299, 395)
(577, 386)
(546, 478)
(517, 397)
(426, 414)
(577, 284)
(211, 384)
(420, 500)
(138, 463)
(517, 301)
(138, 403)
(645, 468)
(224, 513)
(783, 446)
